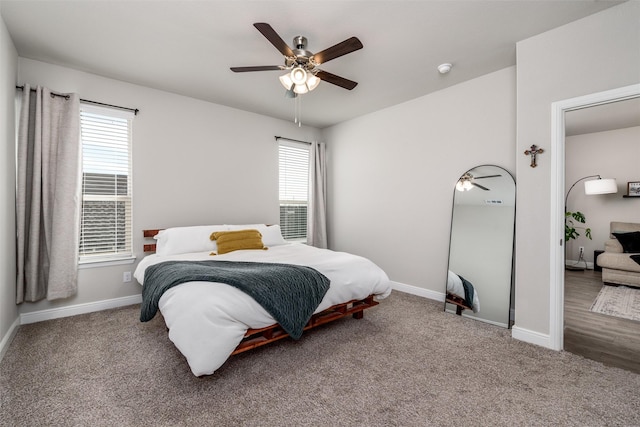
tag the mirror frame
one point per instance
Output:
(510, 308)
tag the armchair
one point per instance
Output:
(617, 266)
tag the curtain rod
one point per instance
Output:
(135, 110)
(294, 140)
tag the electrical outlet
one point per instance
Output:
(581, 251)
(126, 276)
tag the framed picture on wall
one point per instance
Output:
(633, 189)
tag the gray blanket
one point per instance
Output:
(290, 293)
(468, 291)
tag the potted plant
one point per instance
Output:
(571, 229)
(571, 232)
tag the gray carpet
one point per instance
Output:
(406, 363)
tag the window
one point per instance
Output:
(294, 189)
(106, 225)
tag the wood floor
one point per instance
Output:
(607, 339)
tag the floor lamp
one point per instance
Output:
(594, 186)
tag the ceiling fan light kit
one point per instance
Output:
(303, 73)
(299, 81)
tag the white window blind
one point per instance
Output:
(294, 189)
(106, 222)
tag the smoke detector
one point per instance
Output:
(444, 68)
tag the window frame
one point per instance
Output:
(112, 258)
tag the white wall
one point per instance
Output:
(612, 154)
(8, 76)
(392, 174)
(194, 163)
(594, 54)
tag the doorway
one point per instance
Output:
(556, 250)
(600, 141)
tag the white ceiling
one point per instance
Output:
(187, 47)
(605, 117)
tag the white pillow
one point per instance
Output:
(182, 240)
(272, 236)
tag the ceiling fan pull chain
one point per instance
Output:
(297, 110)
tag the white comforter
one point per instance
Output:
(208, 320)
(455, 286)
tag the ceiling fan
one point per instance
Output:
(304, 75)
(466, 182)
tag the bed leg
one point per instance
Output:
(459, 310)
(358, 315)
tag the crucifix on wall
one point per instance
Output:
(533, 151)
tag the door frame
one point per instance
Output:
(556, 250)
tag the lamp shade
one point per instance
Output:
(286, 81)
(600, 186)
(298, 76)
(300, 89)
(312, 82)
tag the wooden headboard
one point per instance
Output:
(148, 234)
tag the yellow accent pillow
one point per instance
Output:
(229, 241)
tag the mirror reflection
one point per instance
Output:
(479, 278)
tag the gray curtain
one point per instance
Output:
(317, 210)
(48, 195)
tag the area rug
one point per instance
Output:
(619, 301)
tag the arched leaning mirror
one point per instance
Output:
(479, 279)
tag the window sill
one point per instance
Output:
(105, 262)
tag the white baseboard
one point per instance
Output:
(74, 310)
(8, 337)
(521, 334)
(579, 263)
(532, 337)
(421, 292)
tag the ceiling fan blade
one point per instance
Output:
(480, 186)
(256, 68)
(488, 176)
(274, 38)
(335, 51)
(336, 80)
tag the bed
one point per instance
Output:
(210, 321)
(462, 293)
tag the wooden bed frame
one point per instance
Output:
(254, 338)
(458, 302)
